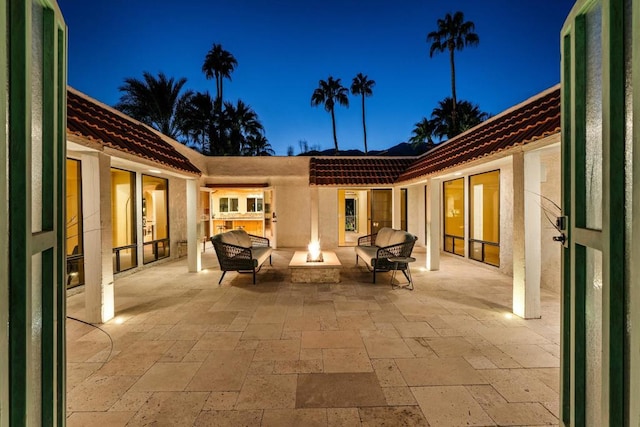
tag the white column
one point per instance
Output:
(97, 238)
(396, 219)
(315, 206)
(434, 187)
(526, 235)
(194, 256)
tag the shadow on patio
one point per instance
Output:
(185, 351)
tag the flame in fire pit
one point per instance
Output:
(314, 254)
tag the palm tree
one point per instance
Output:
(241, 123)
(361, 85)
(328, 93)
(219, 64)
(422, 133)
(196, 118)
(154, 101)
(453, 33)
(469, 115)
(257, 145)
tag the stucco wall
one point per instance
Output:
(550, 186)
(293, 211)
(506, 219)
(177, 213)
(416, 213)
(328, 217)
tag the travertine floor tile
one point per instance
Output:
(517, 335)
(278, 350)
(338, 391)
(167, 377)
(388, 373)
(432, 371)
(221, 401)
(294, 418)
(131, 401)
(223, 370)
(331, 339)
(452, 347)
(450, 406)
(262, 331)
(102, 419)
(520, 414)
(392, 416)
(399, 396)
(217, 341)
(98, 392)
(170, 409)
(343, 417)
(229, 418)
(267, 392)
(346, 360)
(387, 348)
(415, 329)
(517, 385)
(530, 355)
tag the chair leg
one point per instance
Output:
(222, 277)
(374, 275)
(254, 276)
(356, 260)
(270, 261)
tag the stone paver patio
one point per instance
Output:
(184, 351)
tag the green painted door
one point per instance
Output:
(597, 184)
(33, 141)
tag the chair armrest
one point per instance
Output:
(403, 249)
(367, 240)
(258, 241)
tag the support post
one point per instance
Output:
(98, 248)
(315, 206)
(526, 235)
(434, 188)
(194, 257)
(396, 218)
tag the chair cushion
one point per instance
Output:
(399, 236)
(260, 255)
(384, 234)
(366, 253)
(237, 238)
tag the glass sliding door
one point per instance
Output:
(123, 204)
(155, 218)
(484, 217)
(74, 247)
(454, 216)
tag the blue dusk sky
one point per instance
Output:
(284, 47)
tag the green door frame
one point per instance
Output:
(35, 256)
(583, 237)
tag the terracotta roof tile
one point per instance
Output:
(527, 122)
(92, 120)
(356, 171)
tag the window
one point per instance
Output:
(484, 217)
(125, 255)
(254, 204)
(228, 204)
(155, 218)
(454, 216)
(74, 245)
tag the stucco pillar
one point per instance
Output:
(194, 256)
(396, 218)
(526, 235)
(314, 206)
(433, 224)
(97, 237)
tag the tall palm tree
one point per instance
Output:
(257, 145)
(453, 34)
(196, 118)
(422, 133)
(219, 64)
(154, 101)
(329, 93)
(469, 115)
(242, 123)
(361, 85)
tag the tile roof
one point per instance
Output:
(94, 121)
(356, 171)
(527, 122)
